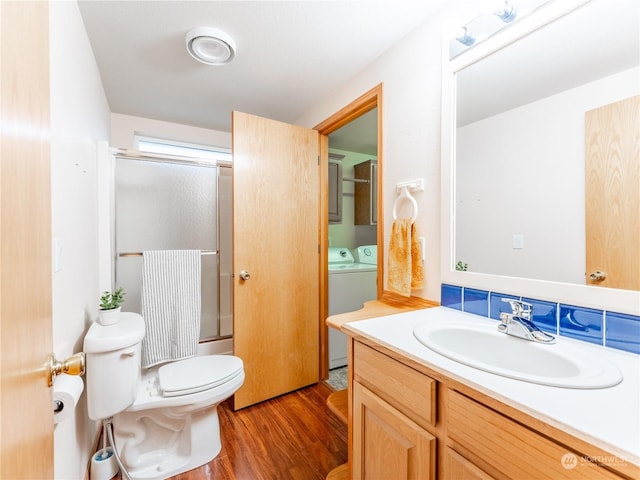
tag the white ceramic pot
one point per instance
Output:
(109, 317)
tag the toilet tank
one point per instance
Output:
(113, 355)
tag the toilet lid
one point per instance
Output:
(197, 374)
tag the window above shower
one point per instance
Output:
(215, 155)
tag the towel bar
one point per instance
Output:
(405, 195)
(139, 254)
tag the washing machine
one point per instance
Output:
(351, 283)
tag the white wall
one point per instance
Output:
(124, 127)
(79, 117)
(411, 75)
(530, 181)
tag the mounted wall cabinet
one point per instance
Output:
(366, 193)
(335, 188)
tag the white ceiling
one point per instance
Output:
(290, 54)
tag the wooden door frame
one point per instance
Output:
(361, 105)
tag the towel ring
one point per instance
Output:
(405, 195)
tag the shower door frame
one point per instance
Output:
(127, 154)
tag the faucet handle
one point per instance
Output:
(519, 308)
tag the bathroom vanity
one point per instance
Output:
(416, 414)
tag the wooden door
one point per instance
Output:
(612, 192)
(26, 416)
(276, 241)
(386, 443)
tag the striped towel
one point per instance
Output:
(170, 305)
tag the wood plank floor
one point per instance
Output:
(294, 436)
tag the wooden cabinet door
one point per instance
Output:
(335, 191)
(366, 193)
(386, 443)
(276, 324)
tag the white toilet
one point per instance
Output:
(165, 418)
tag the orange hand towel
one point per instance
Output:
(417, 270)
(405, 265)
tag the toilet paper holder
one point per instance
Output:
(74, 365)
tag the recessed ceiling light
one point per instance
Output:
(210, 45)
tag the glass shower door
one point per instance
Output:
(167, 206)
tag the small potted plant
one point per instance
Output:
(461, 266)
(110, 307)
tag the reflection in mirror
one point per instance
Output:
(522, 142)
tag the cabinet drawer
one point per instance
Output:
(494, 441)
(408, 390)
(456, 466)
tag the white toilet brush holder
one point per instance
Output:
(103, 464)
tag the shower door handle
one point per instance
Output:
(244, 275)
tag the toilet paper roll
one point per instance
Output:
(66, 393)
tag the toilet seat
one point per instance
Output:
(197, 374)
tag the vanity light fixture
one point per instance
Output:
(498, 14)
(464, 37)
(210, 46)
(507, 13)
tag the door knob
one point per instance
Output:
(244, 275)
(598, 276)
(74, 365)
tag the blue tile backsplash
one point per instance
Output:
(581, 323)
(611, 329)
(476, 301)
(451, 296)
(545, 315)
(623, 331)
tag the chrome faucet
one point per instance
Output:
(518, 323)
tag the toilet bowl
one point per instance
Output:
(165, 418)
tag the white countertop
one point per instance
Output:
(607, 417)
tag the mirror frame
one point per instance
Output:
(624, 301)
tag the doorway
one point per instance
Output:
(369, 106)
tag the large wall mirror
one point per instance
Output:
(532, 118)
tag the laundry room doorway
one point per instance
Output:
(352, 212)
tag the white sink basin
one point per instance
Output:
(482, 346)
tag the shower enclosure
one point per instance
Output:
(167, 204)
